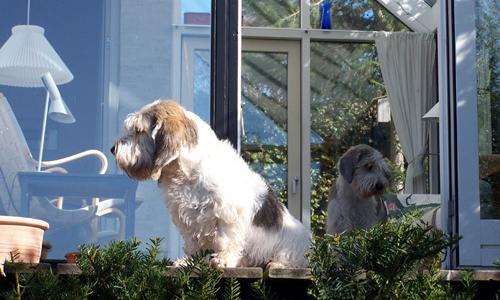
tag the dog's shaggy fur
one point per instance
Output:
(216, 201)
(356, 199)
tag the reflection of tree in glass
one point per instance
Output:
(264, 82)
(201, 84)
(271, 13)
(271, 163)
(488, 98)
(488, 71)
(264, 92)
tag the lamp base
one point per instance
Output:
(44, 127)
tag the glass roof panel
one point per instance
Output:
(271, 13)
(356, 15)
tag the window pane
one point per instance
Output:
(488, 97)
(123, 55)
(347, 108)
(264, 144)
(357, 15)
(201, 84)
(274, 13)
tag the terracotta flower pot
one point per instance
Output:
(71, 257)
(23, 236)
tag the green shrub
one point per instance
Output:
(395, 260)
(43, 284)
(123, 271)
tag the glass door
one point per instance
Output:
(477, 69)
(270, 97)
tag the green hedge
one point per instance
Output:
(396, 260)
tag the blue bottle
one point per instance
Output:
(326, 12)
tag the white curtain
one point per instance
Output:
(408, 63)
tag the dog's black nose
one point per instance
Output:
(112, 150)
(379, 186)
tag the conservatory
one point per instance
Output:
(292, 84)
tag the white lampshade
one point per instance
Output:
(27, 55)
(60, 112)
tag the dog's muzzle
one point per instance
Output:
(113, 149)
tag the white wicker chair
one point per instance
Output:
(15, 157)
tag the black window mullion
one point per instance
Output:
(224, 70)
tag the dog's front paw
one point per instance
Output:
(216, 262)
(186, 260)
(275, 265)
(224, 261)
(181, 262)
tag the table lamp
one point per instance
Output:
(27, 59)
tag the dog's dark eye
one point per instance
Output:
(369, 167)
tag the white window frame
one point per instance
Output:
(190, 37)
(447, 201)
(181, 69)
(190, 45)
(480, 243)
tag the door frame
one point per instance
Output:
(480, 243)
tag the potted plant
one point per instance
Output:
(22, 237)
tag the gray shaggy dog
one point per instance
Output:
(356, 199)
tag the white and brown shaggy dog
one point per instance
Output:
(216, 201)
(356, 199)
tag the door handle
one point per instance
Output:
(295, 183)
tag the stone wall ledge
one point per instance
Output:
(249, 273)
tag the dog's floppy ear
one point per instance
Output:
(172, 131)
(347, 164)
(144, 158)
(139, 122)
(167, 142)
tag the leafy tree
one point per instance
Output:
(275, 13)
